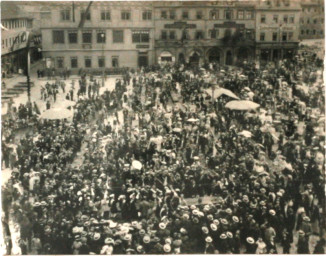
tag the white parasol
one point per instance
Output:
(221, 91)
(241, 105)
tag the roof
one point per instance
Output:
(10, 10)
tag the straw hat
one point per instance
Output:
(250, 240)
(167, 248)
(208, 239)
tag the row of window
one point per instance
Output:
(213, 14)
(138, 36)
(285, 36)
(308, 21)
(105, 15)
(199, 34)
(286, 18)
(311, 32)
(88, 63)
(314, 9)
(165, 14)
(12, 24)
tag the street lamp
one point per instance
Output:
(102, 36)
(28, 65)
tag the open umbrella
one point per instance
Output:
(227, 92)
(136, 165)
(241, 105)
(57, 113)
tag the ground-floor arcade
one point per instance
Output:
(200, 55)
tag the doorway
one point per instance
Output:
(181, 58)
(214, 55)
(194, 58)
(228, 60)
(142, 60)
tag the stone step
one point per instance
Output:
(25, 83)
(20, 86)
(5, 98)
(10, 93)
(18, 90)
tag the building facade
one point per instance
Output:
(312, 19)
(194, 32)
(277, 29)
(112, 35)
(15, 28)
(134, 34)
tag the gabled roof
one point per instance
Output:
(10, 10)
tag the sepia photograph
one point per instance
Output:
(163, 127)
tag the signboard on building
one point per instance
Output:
(20, 41)
(180, 25)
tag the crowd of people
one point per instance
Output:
(160, 165)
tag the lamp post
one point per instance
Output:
(102, 36)
(28, 66)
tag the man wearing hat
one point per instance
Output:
(209, 247)
(251, 246)
(303, 243)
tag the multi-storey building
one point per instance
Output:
(113, 34)
(277, 29)
(15, 27)
(312, 21)
(134, 34)
(199, 31)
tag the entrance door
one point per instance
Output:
(143, 60)
(275, 54)
(214, 55)
(181, 58)
(194, 59)
(243, 54)
(228, 60)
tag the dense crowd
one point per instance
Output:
(177, 143)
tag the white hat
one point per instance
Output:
(208, 239)
(205, 230)
(109, 241)
(168, 241)
(97, 236)
(223, 236)
(213, 227)
(167, 248)
(272, 212)
(162, 225)
(146, 239)
(216, 222)
(250, 240)
(235, 218)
